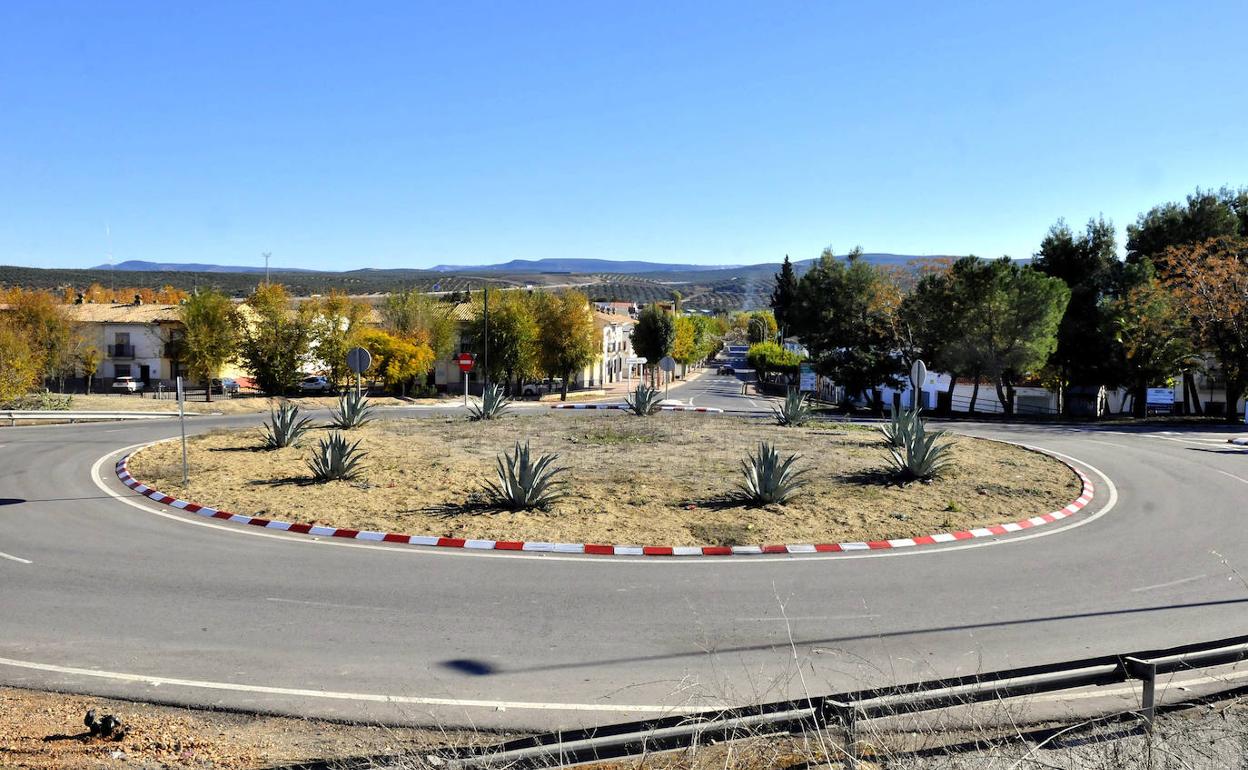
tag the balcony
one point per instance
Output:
(121, 351)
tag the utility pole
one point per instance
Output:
(266, 256)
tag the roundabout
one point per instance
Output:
(118, 595)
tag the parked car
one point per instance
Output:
(127, 385)
(225, 386)
(726, 370)
(314, 384)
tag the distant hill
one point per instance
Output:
(140, 266)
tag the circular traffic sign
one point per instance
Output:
(358, 360)
(466, 361)
(667, 364)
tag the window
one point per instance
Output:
(121, 370)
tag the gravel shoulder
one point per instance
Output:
(665, 480)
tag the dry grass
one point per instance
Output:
(663, 480)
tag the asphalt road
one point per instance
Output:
(104, 592)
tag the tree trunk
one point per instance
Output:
(974, 396)
(1139, 401)
(563, 387)
(208, 389)
(1234, 390)
(1007, 408)
(953, 383)
(1190, 391)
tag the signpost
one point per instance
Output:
(918, 376)
(668, 365)
(1160, 399)
(466, 361)
(358, 361)
(807, 380)
(182, 421)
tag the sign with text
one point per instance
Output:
(807, 382)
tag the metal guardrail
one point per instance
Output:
(846, 710)
(66, 416)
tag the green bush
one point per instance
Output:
(768, 357)
(644, 401)
(353, 411)
(794, 410)
(336, 460)
(491, 404)
(525, 482)
(768, 479)
(41, 401)
(285, 427)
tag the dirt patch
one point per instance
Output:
(667, 480)
(42, 731)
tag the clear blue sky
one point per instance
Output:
(342, 135)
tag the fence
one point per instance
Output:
(847, 710)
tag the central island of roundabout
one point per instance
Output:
(664, 485)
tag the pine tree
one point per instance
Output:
(782, 296)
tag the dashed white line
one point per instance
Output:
(331, 605)
(17, 559)
(1232, 475)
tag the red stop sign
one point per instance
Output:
(466, 361)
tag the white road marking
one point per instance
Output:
(17, 559)
(328, 604)
(157, 681)
(1232, 475)
(135, 500)
(1179, 582)
(775, 619)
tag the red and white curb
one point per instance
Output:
(1085, 497)
(711, 409)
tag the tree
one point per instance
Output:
(513, 333)
(47, 328)
(211, 336)
(767, 357)
(653, 336)
(274, 339)
(784, 294)
(685, 349)
(1009, 315)
(89, 361)
(19, 363)
(1210, 280)
(567, 339)
(1152, 330)
(1089, 266)
(397, 361)
(927, 326)
(844, 315)
(411, 313)
(336, 320)
(1206, 214)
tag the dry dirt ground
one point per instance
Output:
(237, 405)
(45, 731)
(663, 480)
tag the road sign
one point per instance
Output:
(358, 360)
(807, 381)
(918, 375)
(1162, 397)
(466, 361)
(667, 364)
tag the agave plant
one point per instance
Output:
(921, 454)
(285, 427)
(897, 426)
(353, 411)
(793, 410)
(491, 404)
(768, 479)
(336, 460)
(644, 401)
(525, 482)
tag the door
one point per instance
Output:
(145, 373)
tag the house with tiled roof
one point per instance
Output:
(135, 340)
